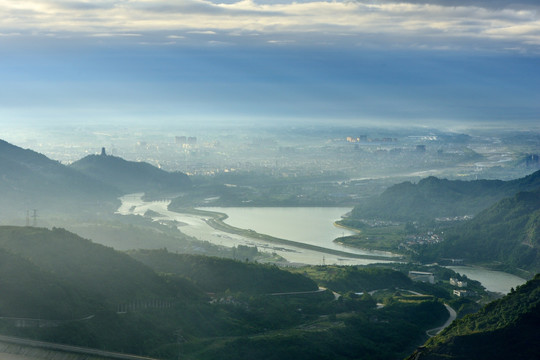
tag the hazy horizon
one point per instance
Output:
(451, 64)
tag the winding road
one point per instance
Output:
(452, 317)
(451, 312)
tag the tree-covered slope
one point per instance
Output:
(131, 176)
(217, 275)
(29, 180)
(504, 329)
(507, 232)
(434, 198)
(357, 278)
(101, 274)
(29, 292)
(56, 275)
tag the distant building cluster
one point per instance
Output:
(361, 138)
(454, 218)
(185, 140)
(379, 223)
(364, 138)
(429, 238)
(461, 292)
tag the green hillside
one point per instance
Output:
(200, 307)
(433, 198)
(504, 329)
(356, 278)
(218, 275)
(29, 180)
(507, 233)
(28, 292)
(131, 176)
(101, 274)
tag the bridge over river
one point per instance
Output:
(12, 348)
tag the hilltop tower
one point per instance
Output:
(103, 153)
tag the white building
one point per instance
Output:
(461, 293)
(458, 283)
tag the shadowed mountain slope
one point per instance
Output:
(100, 274)
(507, 232)
(29, 180)
(216, 275)
(504, 329)
(131, 176)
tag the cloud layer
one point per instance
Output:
(436, 24)
(365, 60)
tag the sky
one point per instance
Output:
(365, 62)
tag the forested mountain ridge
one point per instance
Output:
(507, 232)
(30, 180)
(68, 290)
(214, 274)
(102, 275)
(433, 198)
(131, 176)
(504, 329)
(29, 292)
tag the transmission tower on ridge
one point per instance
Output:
(34, 217)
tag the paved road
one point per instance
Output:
(452, 317)
(451, 312)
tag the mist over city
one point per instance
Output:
(260, 179)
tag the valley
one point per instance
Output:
(164, 264)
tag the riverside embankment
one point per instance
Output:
(210, 226)
(216, 221)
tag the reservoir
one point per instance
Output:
(314, 226)
(495, 281)
(309, 225)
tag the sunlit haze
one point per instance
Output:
(431, 62)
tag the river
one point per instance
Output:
(310, 225)
(320, 235)
(495, 281)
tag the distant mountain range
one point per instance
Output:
(131, 176)
(504, 329)
(433, 198)
(30, 180)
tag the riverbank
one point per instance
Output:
(216, 221)
(337, 224)
(197, 225)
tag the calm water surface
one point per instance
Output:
(195, 225)
(495, 281)
(310, 225)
